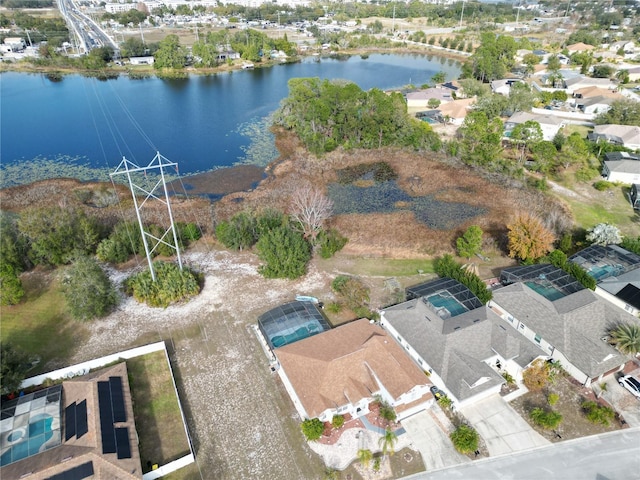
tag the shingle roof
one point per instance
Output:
(346, 364)
(575, 329)
(457, 357)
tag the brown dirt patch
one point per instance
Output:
(396, 234)
(574, 422)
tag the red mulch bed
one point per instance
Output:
(332, 435)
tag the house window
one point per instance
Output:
(521, 326)
(399, 338)
(420, 361)
(510, 318)
(537, 338)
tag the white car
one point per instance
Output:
(631, 384)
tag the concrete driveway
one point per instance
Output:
(503, 430)
(622, 401)
(428, 431)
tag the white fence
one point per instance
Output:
(84, 368)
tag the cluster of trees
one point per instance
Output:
(446, 266)
(327, 114)
(352, 293)
(622, 112)
(492, 59)
(41, 28)
(14, 364)
(133, 16)
(285, 242)
(171, 285)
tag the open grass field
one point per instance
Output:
(40, 324)
(156, 410)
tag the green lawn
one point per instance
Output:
(156, 410)
(377, 267)
(40, 325)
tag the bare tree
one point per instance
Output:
(310, 207)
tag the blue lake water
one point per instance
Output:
(201, 122)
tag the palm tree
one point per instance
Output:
(627, 338)
(388, 441)
(365, 456)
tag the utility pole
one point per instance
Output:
(461, 14)
(159, 163)
(393, 22)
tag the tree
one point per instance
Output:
(622, 76)
(446, 266)
(528, 238)
(239, 232)
(439, 77)
(604, 234)
(465, 439)
(536, 376)
(470, 243)
(312, 429)
(602, 71)
(133, 47)
(526, 135)
(285, 253)
(388, 441)
(310, 208)
(88, 290)
(365, 456)
(626, 337)
(530, 60)
(352, 290)
(170, 54)
(14, 364)
(621, 112)
(481, 139)
(433, 103)
(553, 64)
(55, 234)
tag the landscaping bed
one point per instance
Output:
(571, 396)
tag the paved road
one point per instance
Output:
(610, 456)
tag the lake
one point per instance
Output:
(82, 127)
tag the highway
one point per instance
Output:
(86, 31)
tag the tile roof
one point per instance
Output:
(346, 364)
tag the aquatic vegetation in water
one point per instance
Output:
(262, 150)
(388, 197)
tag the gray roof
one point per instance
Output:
(616, 283)
(574, 324)
(458, 355)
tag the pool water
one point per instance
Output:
(300, 333)
(547, 291)
(451, 304)
(604, 271)
(40, 432)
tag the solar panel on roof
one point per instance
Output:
(76, 473)
(122, 442)
(70, 421)
(117, 399)
(106, 418)
(82, 425)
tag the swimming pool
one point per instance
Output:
(39, 433)
(604, 271)
(547, 291)
(442, 300)
(283, 338)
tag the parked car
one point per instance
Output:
(631, 384)
(437, 393)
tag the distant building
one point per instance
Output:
(13, 45)
(549, 124)
(625, 135)
(149, 60)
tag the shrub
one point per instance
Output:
(88, 290)
(337, 421)
(285, 253)
(330, 242)
(465, 439)
(597, 413)
(536, 377)
(508, 378)
(334, 307)
(602, 185)
(354, 293)
(239, 232)
(445, 402)
(387, 412)
(553, 398)
(446, 266)
(547, 419)
(171, 285)
(312, 429)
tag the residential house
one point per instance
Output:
(627, 46)
(617, 272)
(634, 196)
(13, 45)
(462, 343)
(455, 112)
(148, 60)
(503, 86)
(420, 98)
(568, 322)
(625, 135)
(549, 124)
(341, 371)
(623, 171)
(579, 48)
(578, 82)
(81, 428)
(634, 74)
(593, 100)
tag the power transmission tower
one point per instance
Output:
(157, 192)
